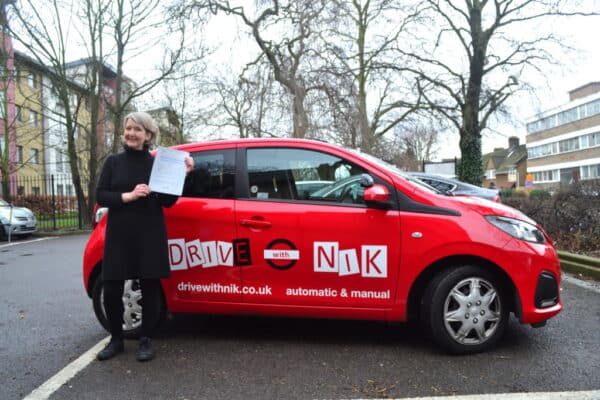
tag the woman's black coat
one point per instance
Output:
(136, 239)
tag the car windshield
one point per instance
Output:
(4, 203)
(396, 171)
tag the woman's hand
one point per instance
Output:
(189, 164)
(140, 190)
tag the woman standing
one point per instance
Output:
(136, 237)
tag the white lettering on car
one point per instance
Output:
(218, 288)
(281, 255)
(177, 257)
(328, 258)
(184, 255)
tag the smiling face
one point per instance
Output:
(135, 135)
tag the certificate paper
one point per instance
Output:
(168, 171)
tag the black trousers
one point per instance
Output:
(113, 305)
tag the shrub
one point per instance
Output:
(43, 205)
(570, 217)
(540, 194)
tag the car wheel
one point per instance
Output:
(465, 309)
(132, 307)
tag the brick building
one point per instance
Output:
(563, 143)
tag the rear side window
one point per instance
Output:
(213, 175)
(298, 174)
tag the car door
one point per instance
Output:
(203, 250)
(326, 250)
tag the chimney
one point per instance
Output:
(513, 142)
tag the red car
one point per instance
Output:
(244, 239)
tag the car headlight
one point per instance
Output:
(517, 228)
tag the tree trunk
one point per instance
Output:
(299, 113)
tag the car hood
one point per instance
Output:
(488, 207)
(16, 212)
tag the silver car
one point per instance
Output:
(16, 221)
(455, 187)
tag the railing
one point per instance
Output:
(575, 263)
(51, 198)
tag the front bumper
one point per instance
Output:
(19, 229)
(535, 272)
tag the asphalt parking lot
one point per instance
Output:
(48, 323)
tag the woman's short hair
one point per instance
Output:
(145, 120)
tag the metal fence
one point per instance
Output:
(51, 198)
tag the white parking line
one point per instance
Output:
(27, 241)
(582, 395)
(63, 376)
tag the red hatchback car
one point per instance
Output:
(247, 236)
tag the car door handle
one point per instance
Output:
(255, 223)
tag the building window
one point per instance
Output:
(512, 174)
(31, 81)
(490, 174)
(60, 190)
(2, 104)
(590, 171)
(59, 161)
(35, 190)
(20, 190)
(20, 115)
(545, 176)
(594, 139)
(19, 154)
(564, 117)
(567, 145)
(33, 118)
(34, 156)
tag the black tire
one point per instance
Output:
(465, 309)
(132, 315)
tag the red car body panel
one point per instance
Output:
(310, 259)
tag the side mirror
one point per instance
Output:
(377, 196)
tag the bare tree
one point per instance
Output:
(494, 53)
(7, 146)
(185, 89)
(45, 34)
(248, 103)
(285, 55)
(135, 26)
(360, 40)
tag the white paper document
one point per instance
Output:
(168, 171)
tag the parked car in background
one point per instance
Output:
(456, 187)
(16, 221)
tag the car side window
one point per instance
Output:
(213, 175)
(439, 185)
(302, 175)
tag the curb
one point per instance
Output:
(62, 232)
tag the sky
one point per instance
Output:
(575, 69)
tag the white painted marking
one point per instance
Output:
(63, 376)
(589, 285)
(580, 395)
(27, 241)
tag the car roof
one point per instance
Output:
(254, 141)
